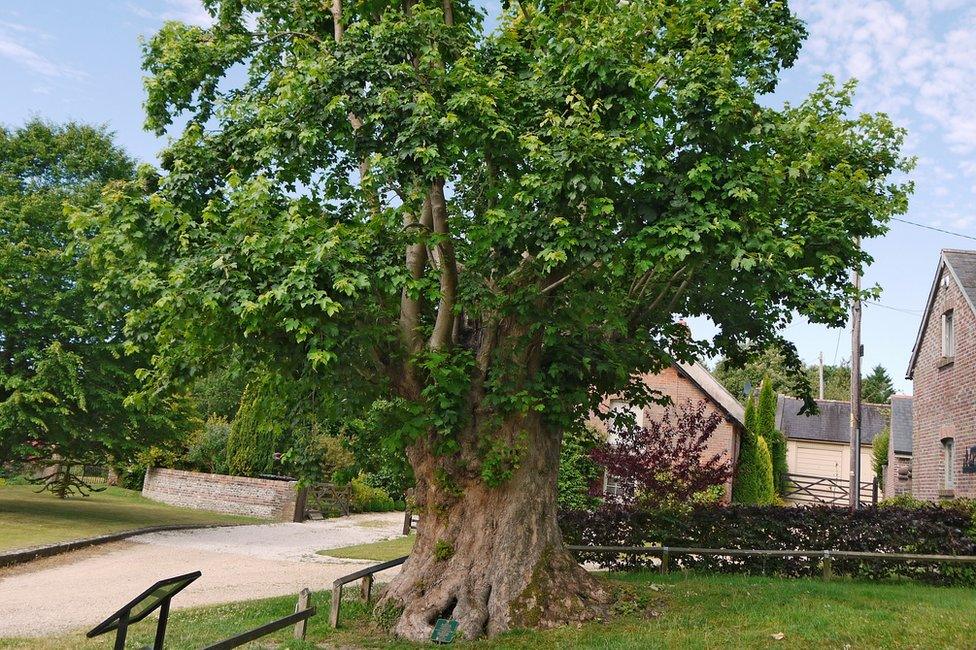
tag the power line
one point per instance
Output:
(910, 312)
(942, 230)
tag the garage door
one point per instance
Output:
(812, 459)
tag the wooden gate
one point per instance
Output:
(808, 490)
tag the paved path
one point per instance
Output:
(76, 590)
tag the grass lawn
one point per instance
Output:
(691, 612)
(31, 519)
(387, 549)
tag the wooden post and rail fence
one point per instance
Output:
(825, 557)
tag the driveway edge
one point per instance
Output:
(13, 558)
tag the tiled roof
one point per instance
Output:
(715, 390)
(831, 424)
(901, 423)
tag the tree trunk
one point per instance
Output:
(491, 558)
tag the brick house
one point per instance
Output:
(682, 382)
(943, 371)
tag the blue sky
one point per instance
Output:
(916, 60)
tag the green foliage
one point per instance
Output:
(879, 455)
(65, 373)
(764, 462)
(366, 498)
(261, 429)
(766, 429)
(443, 550)
(770, 364)
(218, 393)
(207, 446)
(877, 387)
(753, 482)
(502, 459)
(596, 192)
(577, 471)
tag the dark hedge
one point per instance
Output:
(926, 530)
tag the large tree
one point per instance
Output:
(64, 375)
(483, 232)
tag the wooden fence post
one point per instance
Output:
(828, 569)
(367, 588)
(874, 491)
(304, 599)
(665, 560)
(334, 606)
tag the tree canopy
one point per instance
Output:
(486, 232)
(63, 373)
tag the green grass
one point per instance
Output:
(28, 518)
(387, 549)
(676, 612)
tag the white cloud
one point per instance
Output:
(187, 11)
(12, 48)
(915, 59)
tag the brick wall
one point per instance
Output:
(237, 495)
(944, 404)
(898, 477)
(679, 388)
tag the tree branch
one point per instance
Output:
(416, 261)
(444, 324)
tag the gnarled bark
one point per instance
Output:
(491, 557)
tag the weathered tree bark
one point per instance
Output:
(491, 558)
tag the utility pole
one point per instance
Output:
(856, 351)
(821, 376)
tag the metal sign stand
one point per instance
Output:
(156, 597)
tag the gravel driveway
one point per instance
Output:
(79, 589)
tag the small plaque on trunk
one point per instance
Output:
(444, 631)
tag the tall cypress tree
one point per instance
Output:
(745, 485)
(765, 489)
(766, 428)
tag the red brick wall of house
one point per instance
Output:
(679, 388)
(944, 402)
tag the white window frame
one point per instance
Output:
(611, 485)
(948, 335)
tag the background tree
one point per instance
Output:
(488, 231)
(64, 370)
(667, 461)
(879, 455)
(877, 387)
(765, 419)
(768, 364)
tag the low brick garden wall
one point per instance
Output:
(236, 495)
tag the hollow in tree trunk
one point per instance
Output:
(491, 558)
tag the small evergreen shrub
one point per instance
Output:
(366, 498)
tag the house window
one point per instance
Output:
(611, 485)
(948, 461)
(948, 336)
